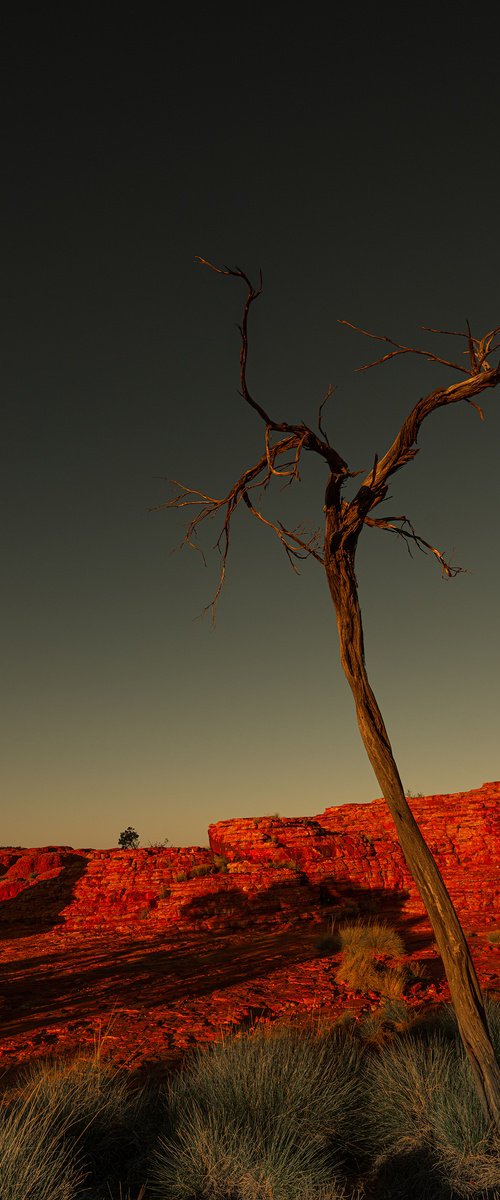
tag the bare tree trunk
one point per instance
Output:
(455, 953)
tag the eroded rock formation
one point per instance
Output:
(262, 870)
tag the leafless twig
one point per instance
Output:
(407, 532)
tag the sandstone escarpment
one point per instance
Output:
(261, 871)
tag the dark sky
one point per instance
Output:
(358, 168)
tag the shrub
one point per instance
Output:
(267, 1115)
(220, 863)
(494, 937)
(180, 876)
(201, 869)
(129, 839)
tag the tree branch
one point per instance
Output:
(408, 534)
(345, 518)
(311, 441)
(256, 477)
(380, 337)
(403, 449)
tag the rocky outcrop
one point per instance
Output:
(263, 870)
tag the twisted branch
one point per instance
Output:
(347, 519)
(408, 534)
(481, 375)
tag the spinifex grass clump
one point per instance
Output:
(72, 1121)
(36, 1162)
(366, 946)
(96, 1105)
(426, 1129)
(262, 1116)
(374, 936)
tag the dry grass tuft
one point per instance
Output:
(375, 936)
(361, 943)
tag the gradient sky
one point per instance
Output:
(362, 176)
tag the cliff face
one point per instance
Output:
(261, 871)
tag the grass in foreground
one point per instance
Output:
(268, 1115)
(283, 1114)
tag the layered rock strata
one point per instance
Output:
(264, 870)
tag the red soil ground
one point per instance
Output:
(152, 989)
(152, 998)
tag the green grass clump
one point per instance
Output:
(72, 1121)
(427, 1132)
(262, 1116)
(36, 1163)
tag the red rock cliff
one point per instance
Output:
(262, 870)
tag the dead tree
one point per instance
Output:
(284, 444)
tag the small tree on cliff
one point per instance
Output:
(343, 524)
(128, 839)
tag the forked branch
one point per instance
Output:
(479, 376)
(281, 459)
(403, 527)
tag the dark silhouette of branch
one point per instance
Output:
(282, 457)
(407, 532)
(400, 349)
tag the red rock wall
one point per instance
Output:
(260, 870)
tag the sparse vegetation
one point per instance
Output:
(201, 869)
(180, 876)
(375, 936)
(128, 839)
(379, 1108)
(366, 947)
(494, 937)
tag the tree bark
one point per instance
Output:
(460, 972)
